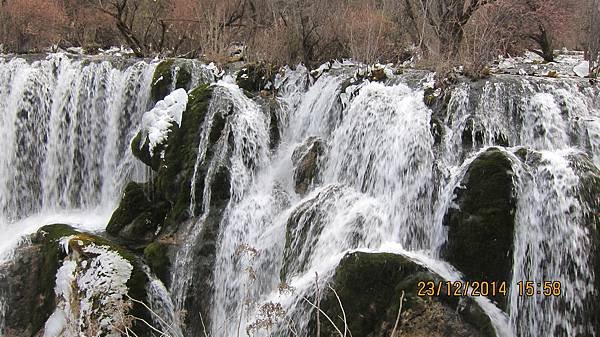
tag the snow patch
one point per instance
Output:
(582, 69)
(91, 294)
(157, 122)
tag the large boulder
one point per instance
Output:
(27, 290)
(370, 285)
(481, 226)
(66, 279)
(139, 215)
(306, 159)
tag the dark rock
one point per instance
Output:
(255, 77)
(139, 215)
(588, 194)
(429, 97)
(437, 130)
(480, 230)
(156, 255)
(31, 278)
(471, 135)
(370, 286)
(29, 292)
(305, 159)
(163, 79)
(140, 147)
(175, 174)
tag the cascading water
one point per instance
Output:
(381, 181)
(378, 173)
(552, 245)
(64, 153)
(242, 147)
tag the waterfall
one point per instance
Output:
(242, 147)
(67, 126)
(357, 167)
(380, 181)
(551, 245)
(65, 146)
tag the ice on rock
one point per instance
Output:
(157, 122)
(95, 289)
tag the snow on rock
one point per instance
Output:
(157, 122)
(91, 290)
(582, 69)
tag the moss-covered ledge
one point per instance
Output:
(370, 285)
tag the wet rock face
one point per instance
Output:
(589, 197)
(370, 286)
(305, 159)
(138, 216)
(20, 285)
(255, 77)
(481, 228)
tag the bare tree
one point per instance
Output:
(447, 19)
(592, 41)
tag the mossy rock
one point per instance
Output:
(44, 256)
(156, 255)
(255, 77)
(305, 224)
(176, 171)
(138, 215)
(480, 230)
(140, 147)
(163, 78)
(370, 286)
(429, 97)
(27, 282)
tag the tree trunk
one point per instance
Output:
(545, 44)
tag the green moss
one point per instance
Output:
(370, 286)
(140, 147)
(480, 232)
(156, 255)
(175, 174)
(429, 97)
(163, 78)
(49, 237)
(133, 203)
(52, 255)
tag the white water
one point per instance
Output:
(64, 151)
(378, 184)
(383, 185)
(242, 147)
(551, 245)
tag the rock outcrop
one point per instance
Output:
(481, 227)
(370, 285)
(60, 273)
(306, 160)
